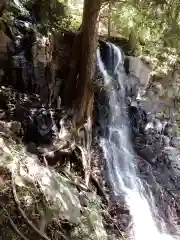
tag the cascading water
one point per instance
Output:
(118, 152)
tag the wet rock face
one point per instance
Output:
(157, 148)
(32, 61)
(41, 128)
(110, 58)
(101, 108)
(162, 177)
(138, 119)
(39, 123)
(138, 69)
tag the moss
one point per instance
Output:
(91, 226)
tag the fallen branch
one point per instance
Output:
(14, 225)
(31, 225)
(89, 175)
(62, 235)
(73, 181)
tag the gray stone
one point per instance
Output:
(140, 70)
(175, 142)
(91, 224)
(166, 141)
(62, 196)
(148, 154)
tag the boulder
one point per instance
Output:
(139, 70)
(175, 142)
(148, 154)
(171, 130)
(155, 90)
(138, 118)
(166, 140)
(62, 196)
(91, 225)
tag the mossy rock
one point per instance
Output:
(91, 226)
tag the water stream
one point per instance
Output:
(119, 155)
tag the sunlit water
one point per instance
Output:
(120, 158)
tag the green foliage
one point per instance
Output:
(152, 26)
(49, 14)
(155, 25)
(52, 15)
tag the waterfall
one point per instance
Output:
(119, 154)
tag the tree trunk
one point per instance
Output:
(89, 40)
(3, 5)
(84, 86)
(70, 87)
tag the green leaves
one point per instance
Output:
(156, 24)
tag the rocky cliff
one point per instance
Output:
(45, 158)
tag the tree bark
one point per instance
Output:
(3, 5)
(70, 87)
(85, 80)
(89, 40)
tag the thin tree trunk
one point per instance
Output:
(69, 92)
(89, 42)
(84, 87)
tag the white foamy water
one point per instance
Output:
(120, 159)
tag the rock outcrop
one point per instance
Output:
(155, 137)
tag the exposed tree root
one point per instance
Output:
(86, 162)
(76, 183)
(100, 190)
(85, 148)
